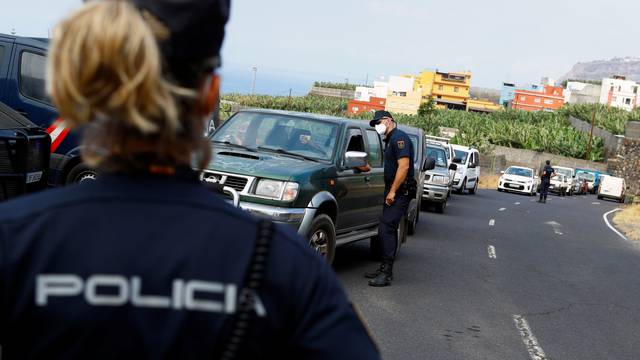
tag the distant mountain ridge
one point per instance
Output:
(597, 70)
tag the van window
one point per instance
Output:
(1, 55)
(32, 76)
(375, 149)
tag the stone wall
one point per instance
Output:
(611, 141)
(627, 164)
(501, 157)
(343, 94)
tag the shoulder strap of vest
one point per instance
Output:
(254, 279)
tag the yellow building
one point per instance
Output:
(485, 106)
(451, 90)
(408, 103)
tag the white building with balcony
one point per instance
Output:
(619, 92)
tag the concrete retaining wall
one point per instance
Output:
(627, 163)
(343, 94)
(611, 142)
(502, 157)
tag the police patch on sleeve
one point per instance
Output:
(400, 144)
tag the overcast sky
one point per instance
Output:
(518, 41)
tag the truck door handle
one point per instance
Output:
(367, 178)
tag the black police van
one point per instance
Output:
(22, 87)
(24, 155)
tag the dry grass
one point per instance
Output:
(489, 181)
(628, 220)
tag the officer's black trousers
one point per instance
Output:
(544, 188)
(389, 222)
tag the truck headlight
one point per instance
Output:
(439, 180)
(277, 190)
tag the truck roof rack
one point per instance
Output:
(437, 138)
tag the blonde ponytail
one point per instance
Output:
(104, 62)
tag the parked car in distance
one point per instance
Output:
(24, 155)
(437, 182)
(593, 177)
(446, 144)
(22, 88)
(305, 171)
(613, 188)
(569, 178)
(559, 185)
(468, 169)
(519, 179)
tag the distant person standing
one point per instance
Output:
(547, 173)
(399, 188)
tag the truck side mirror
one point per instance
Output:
(453, 167)
(429, 164)
(502, 172)
(355, 159)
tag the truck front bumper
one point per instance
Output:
(435, 193)
(298, 219)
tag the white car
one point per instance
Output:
(468, 173)
(569, 175)
(519, 179)
(448, 147)
(612, 187)
(559, 184)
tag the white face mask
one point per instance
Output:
(381, 129)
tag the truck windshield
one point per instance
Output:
(563, 171)
(462, 155)
(437, 154)
(586, 176)
(308, 137)
(519, 172)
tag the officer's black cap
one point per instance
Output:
(379, 115)
(195, 28)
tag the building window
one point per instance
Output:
(548, 102)
(440, 87)
(358, 95)
(627, 101)
(522, 98)
(456, 89)
(614, 99)
(354, 109)
(635, 89)
(619, 88)
(537, 100)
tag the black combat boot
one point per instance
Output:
(385, 276)
(374, 274)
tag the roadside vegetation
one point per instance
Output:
(627, 221)
(608, 118)
(332, 85)
(539, 131)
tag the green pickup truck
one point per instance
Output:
(304, 170)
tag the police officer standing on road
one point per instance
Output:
(547, 173)
(145, 262)
(399, 188)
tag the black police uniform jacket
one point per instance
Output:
(150, 267)
(398, 145)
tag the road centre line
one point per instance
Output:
(492, 252)
(609, 225)
(492, 222)
(502, 209)
(516, 203)
(595, 203)
(530, 342)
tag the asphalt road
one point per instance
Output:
(562, 284)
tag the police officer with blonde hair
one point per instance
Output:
(146, 262)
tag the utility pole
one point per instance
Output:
(253, 85)
(593, 121)
(366, 82)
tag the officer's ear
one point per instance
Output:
(209, 95)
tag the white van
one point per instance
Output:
(612, 187)
(468, 172)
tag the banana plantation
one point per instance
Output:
(538, 131)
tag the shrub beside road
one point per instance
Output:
(628, 220)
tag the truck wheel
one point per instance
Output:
(322, 237)
(599, 197)
(475, 188)
(440, 207)
(463, 187)
(411, 229)
(80, 173)
(402, 233)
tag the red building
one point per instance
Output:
(358, 106)
(550, 99)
